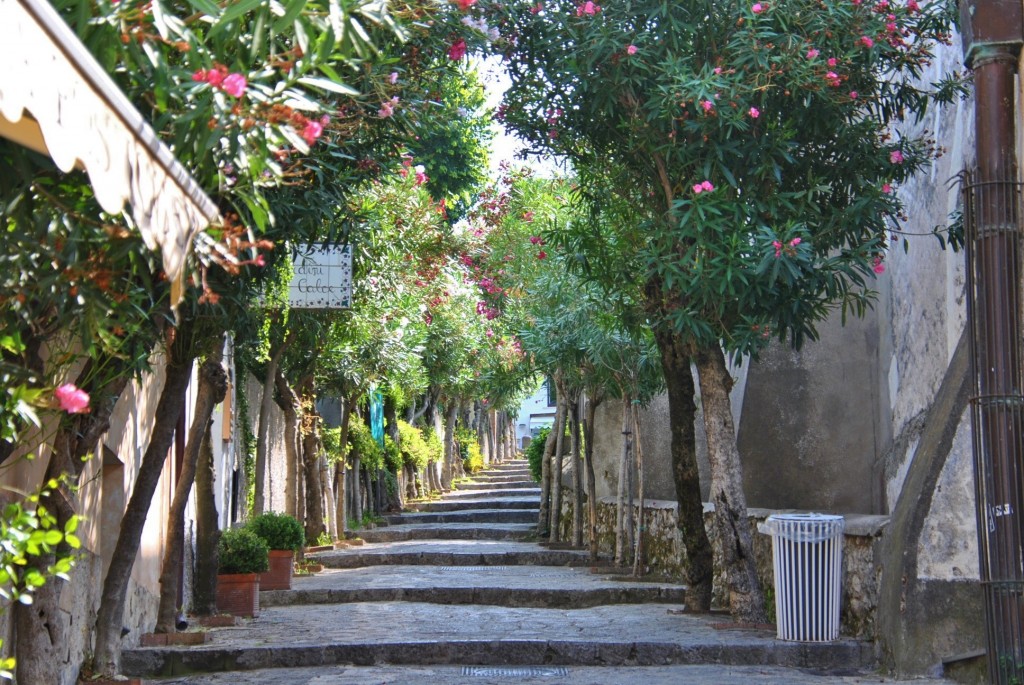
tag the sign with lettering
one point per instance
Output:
(322, 278)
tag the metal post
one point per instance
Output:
(992, 209)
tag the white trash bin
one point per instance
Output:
(807, 554)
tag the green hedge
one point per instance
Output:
(279, 531)
(242, 551)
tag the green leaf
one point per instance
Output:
(293, 10)
(239, 9)
(331, 86)
(206, 7)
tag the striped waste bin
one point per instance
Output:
(807, 554)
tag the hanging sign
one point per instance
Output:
(322, 278)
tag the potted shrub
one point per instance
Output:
(243, 557)
(284, 536)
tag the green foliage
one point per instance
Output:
(474, 459)
(242, 551)
(279, 531)
(392, 455)
(364, 446)
(535, 453)
(324, 539)
(415, 450)
(435, 449)
(331, 438)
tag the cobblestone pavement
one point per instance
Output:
(472, 612)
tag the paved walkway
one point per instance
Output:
(425, 607)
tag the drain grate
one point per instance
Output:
(515, 672)
(473, 569)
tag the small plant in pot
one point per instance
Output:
(243, 557)
(284, 536)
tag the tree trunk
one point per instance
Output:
(544, 520)
(588, 462)
(577, 474)
(330, 508)
(395, 499)
(746, 601)
(638, 554)
(263, 429)
(554, 534)
(110, 616)
(357, 491)
(288, 401)
(450, 453)
(314, 489)
(213, 385)
(341, 471)
(204, 586)
(675, 362)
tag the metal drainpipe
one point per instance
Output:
(993, 33)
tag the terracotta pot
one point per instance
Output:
(279, 575)
(239, 594)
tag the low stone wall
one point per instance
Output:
(664, 554)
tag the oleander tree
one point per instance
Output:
(759, 144)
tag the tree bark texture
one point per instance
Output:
(638, 554)
(675, 362)
(554, 534)
(115, 586)
(213, 385)
(451, 454)
(588, 463)
(263, 429)
(204, 585)
(577, 475)
(314, 489)
(341, 470)
(544, 520)
(288, 401)
(746, 601)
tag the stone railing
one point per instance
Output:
(665, 556)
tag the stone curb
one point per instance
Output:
(468, 503)
(511, 531)
(497, 493)
(467, 516)
(535, 558)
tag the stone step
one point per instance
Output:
(514, 586)
(409, 633)
(513, 485)
(461, 553)
(450, 531)
(701, 674)
(481, 515)
(502, 478)
(529, 502)
(472, 491)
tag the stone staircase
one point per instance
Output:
(455, 591)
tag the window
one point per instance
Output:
(552, 393)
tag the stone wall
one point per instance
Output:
(665, 556)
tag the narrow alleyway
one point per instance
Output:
(456, 593)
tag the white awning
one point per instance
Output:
(55, 98)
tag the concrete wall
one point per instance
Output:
(273, 490)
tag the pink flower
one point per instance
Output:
(588, 8)
(631, 50)
(698, 188)
(312, 131)
(754, 112)
(832, 61)
(778, 248)
(912, 6)
(490, 333)
(214, 77)
(537, 9)
(536, 240)
(886, 188)
(878, 267)
(457, 50)
(260, 260)
(234, 85)
(896, 157)
(542, 254)
(527, 217)
(707, 105)
(199, 75)
(393, 77)
(71, 399)
(718, 70)
(866, 41)
(387, 108)
(795, 241)
(812, 53)
(706, 185)
(757, 8)
(464, 5)
(833, 79)
(853, 95)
